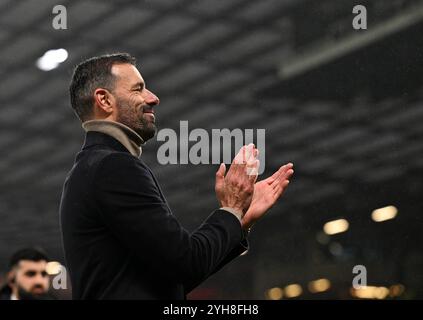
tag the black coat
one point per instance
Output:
(5, 292)
(120, 237)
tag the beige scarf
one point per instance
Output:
(122, 133)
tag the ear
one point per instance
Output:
(104, 100)
(11, 277)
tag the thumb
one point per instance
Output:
(220, 177)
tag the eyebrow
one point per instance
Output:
(139, 84)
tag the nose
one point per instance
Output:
(39, 280)
(151, 99)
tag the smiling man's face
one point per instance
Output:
(135, 103)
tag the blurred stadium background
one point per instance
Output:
(345, 106)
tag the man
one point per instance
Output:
(120, 237)
(27, 278)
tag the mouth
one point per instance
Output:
(150, 114)
(38, 290)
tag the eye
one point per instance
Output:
(30, 274)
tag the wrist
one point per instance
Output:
(236, 212)
(246, 225)
(237, 209)
(246, 231)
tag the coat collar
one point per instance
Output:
(127, 137)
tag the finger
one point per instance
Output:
(278, 174)
(281, 170)
(277, 190)
(288, 174)
(236, 170)
(290, 165)
(252, 170)
(244, 159)
(275, 175)
(256, 152)
(253, 164)
(244, 170)
(249, 156)
(281, 188)
(285, 168)
(252, 174)
(236, 165)
(285, 172)
(275, 184)
(283, 177)
(240, 158)
(282, 181)
(220, 178)
(221, 171)
(238, 155)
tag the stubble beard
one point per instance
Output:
(128, 116)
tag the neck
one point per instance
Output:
(125, 135)
(15, 294)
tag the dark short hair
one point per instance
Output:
(90, 74)
(31, 254)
